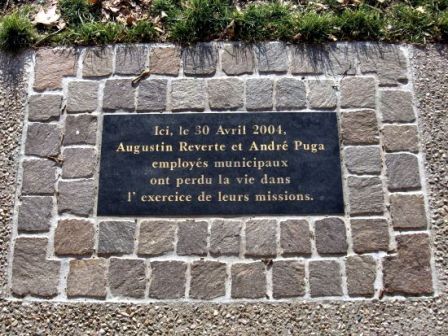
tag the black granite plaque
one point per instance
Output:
(220, 164)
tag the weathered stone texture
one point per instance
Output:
(331, 237)
(97, 62)
(370, 235)
(82, 96)
(322, 94)
(43, 139)
(408, 211)
(295, 238)
(261, 238)
(288, 279)
(152, 95)
(207, 280)
(39, 177)
(192, 238)
(237, 59)
(248, 280)
(361, 274)
(164, 61)
(363, 160)
(396, 106)
(272, 57)
(127, 277)
(366, 195)
(359, 128)
(44, 107)
(156, 237)
(116, 237)
(119, 94)
(402, 172)
(74, 237)
(87, 278)
(259, 93)
(35, 214)
(225, 237)
(76, 197)
(187, 94)
(290, 94)
(80, 130)
(200, 60)
(167, 279)
(325, 278)
(78, 162)
(225, 94)
(358, 92)
(130, 60)
(400, 138)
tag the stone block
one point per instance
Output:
(290, 94)
(259, 93)
(331, 236)
(261, 238)
(409, 272)
(295, 238)
(80, 130)
(361, 274)
(74, 237)
(97, 62)
(396, 106)
(370, 235)
(397, 138)
(272, 57)
(43, 139)
(408, 211)
(200, 60)
(363, 160)
(366, 196)
(402, 172)
(207, 280)
(237, 59)
(359, 128)
(165, 61)
(192, 238)
(322, 94)
(78, 162)
(76, 197)
(39, 177)
(87, 278)
(119, 94)
(44, 107)
(358, 92)
(187, 94)
(288, 279)
(35, 214)
(325, 278)
(156, 237)
(52, 65)
(167, 280)
(82, 96)
(225, 94)
(127, 277)
(225, 238)
(130, 60)
(152, 95)
(116, 237)
(248, 281)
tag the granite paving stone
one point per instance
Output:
(39, 177)
(237, 59)
(402, 172)
(87, 278)
(97, 62)
(290, 94)
(225, 237)
(44, 107)
(192, 238)
(82, 96)
(200, 60)
(35, 214)
(130, 59)
(370, 235)
(187, 94)
(358, 92)
(116, 237)
(272, 57)
(261, 238)
(322, 94)
(167, 280)
(76, 197)
(363, 160)
(397, 138)
(78, 162)
(366, 195)
(359, 128)
(408, 211)
(164, 61)
(396, 106)
(43, 139)
(80, 130)
(361, 274)
(207, 280)
(152, 95)
(225, 94)
(325, 278)
(331, 236)
(295, 238)
(156, 237)
(119, 94)
(248, 280)
(74, 237)
(127, 277)
(288, 279)
(259, 94)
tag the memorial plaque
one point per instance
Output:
(220, 164)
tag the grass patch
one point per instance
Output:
(360, 24)
(76, 12)
(92, 33)
(16, 32)
(143, 31)
(314, 27)
(443, 24)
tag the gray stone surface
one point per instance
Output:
(192, 238)
(44, 107)
(248, 280)
(322, 94)
(200, 60)
(259, 94)
(225, 94)
(290, 94)
(288, 279)
(272, 57)
(325, 278)
(408, 211)
(295, 238)
(78, 162)
(116, 237)
(80, 130)
(370, 235)
(152, 95)
(366, 195)
(74, 237)
(361, 273)
(402, 172)
(87, 278)
(237, 59)
(358, 92)
(167, 280)
(164, 61)
(76, 197)
(35, 214)
(97, 62)
(43, 139)
(331, 236)
(261, 238)
(82, 96)
(187, 94)
(32, 274)
(39, 177)
(359, 128)
(207, 280)
(119, 94)
(396, 106)
(130, 59)
(127, 277)
(363, 160)
(156, 237)
(398, 138)
(225, 236)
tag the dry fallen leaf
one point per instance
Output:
(47, 18)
